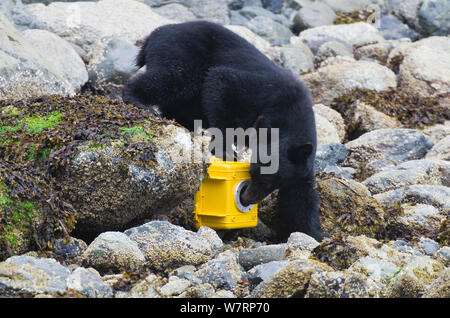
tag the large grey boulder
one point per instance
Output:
(27, 276)
(312, 16)
(60, 54)
(84, 23)
(339, 76)
(355, 34)
(23, 71)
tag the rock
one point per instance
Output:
(408, 173)
(346, 206)
(416, 219)
(260, 43)
(326, 132)
(260, 273)
(274, 6)
(355, 34)
(113, 66)
(434, 18)
(379, 51)
(113, 251)
(212, 238)
(333, 117)
(239, 4)
(312, 16)
(332, 49)
(435, 195)
(146, 288)
(250, 257)
(392, 29)
(88, 283)
(73, 248)
(423, 71)
(374, 167)
(214, 11)
(429, 247)
(61, 55)
(361, 118)
(26, 276)
(437, 132)
(414, 278)
(290, 281)
(441, 150)
(24, 72)
(406, 10)
(274, 32)
(169, 246)
(379, 270)
(174, 286)
(357, 285)
(82, 23)
(443, 255)
(325, 285)
(199, 291)
(337, 79)
(329, 155)
(103, 182)
(222, 272)
(440, 288)
(347, 5)
(298, 58)
(397, 145)
(250, 12)
(301, 241)
(175, 11)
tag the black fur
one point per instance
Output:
(201, 70)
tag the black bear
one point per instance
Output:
(201, 70)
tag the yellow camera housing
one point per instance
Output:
(217, 203)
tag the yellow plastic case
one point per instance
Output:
(217, 202)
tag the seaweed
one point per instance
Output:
(39, 137)
(352, 16)
(410, 111)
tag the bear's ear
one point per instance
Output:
(298, 154)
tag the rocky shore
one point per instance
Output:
(94, 201)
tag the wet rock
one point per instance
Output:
(326, 285)
(251, 257)
(337, 79)
(73, 248)
(26, 276)
(433, 17)
(113, 251)
(414, 278)
(355, 34)
(88, 283)
(379, 270)
(347, 206)
(165, 245)
(24, 72)
(113, 67)
(397, 145)
(429, 247)
(407, 173)
(443, 255)
(290, 281)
